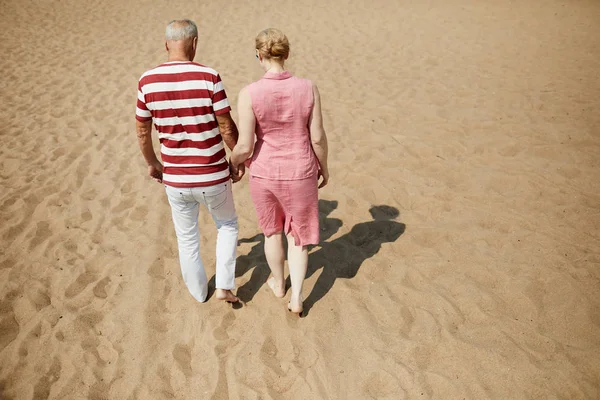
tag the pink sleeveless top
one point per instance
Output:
(282, 105)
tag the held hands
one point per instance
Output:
(155, 171)
(237, 173)
(324, 174)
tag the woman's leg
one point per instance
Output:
(298, 262)
(275, 258)
(270, 219)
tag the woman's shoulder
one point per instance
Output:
(301, 79)
(306, 83)
(247, 90)
(251, 87)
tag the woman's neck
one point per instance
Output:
(274, 67)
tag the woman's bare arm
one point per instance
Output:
(318, 137)
(246, 123)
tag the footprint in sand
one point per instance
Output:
(9, 327)
(164, 372)
(8, 202)
(100, 288)
(220, 333)
(126, 187)
(382, 384)
(268, 355)
(31, 338)
(57, 153)
(183, 358)
(38, 295)
(157, 269)
(88, 321)
(42, 233)
(80, 284)
(139, 213)
(86, 216)
(89, 194)
(125, 204)
(43, 386)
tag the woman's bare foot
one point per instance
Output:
(226, 295)
(296, 306)
(277, 288)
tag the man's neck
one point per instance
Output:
(178, 57)
(183, 59)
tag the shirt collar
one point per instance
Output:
(277, 75)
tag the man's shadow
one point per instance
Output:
(340, 258)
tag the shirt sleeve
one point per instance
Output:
(142, 113)
(219, 98)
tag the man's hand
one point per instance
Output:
(144, 135)
(155, 171)
(324, 174)
(237, 173)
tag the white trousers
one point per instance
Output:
(184, 207)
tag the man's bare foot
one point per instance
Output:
(226, 295)
(278, 289)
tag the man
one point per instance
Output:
(189, 107)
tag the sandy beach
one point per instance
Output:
(460, 251)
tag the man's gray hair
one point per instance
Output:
(181, 29)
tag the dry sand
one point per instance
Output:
(477, 120)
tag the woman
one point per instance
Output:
(288, 158)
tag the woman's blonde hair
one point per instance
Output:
(272, 43)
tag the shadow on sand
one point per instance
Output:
(339, 258)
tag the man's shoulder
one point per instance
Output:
(205, 68)
(151, 71)
(179, 67)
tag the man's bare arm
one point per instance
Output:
(144, 135)
(228, 130)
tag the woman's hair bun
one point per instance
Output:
(272, 43)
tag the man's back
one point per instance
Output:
(189, 107)
(182, 98)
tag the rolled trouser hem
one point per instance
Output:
(200, 301)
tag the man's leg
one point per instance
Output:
(222, 208)
(185, 219)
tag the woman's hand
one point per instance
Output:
(324, 175)
(237, 173)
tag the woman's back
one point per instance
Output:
(282, 105)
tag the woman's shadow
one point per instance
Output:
(340, 258)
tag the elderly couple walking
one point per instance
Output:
(281, 139)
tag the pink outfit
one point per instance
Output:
(284, 168)
(287, 206)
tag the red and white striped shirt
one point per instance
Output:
(182, 98)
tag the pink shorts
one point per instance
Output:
(291, 207)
